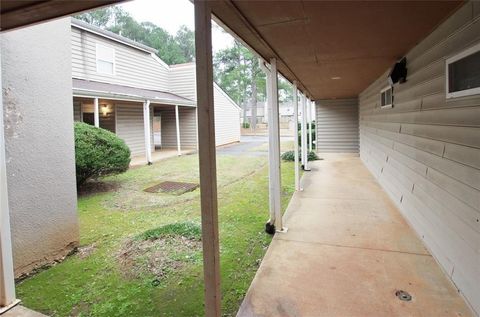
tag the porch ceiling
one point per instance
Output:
(316, 41)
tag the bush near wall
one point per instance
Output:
(98, 152)
(290, 156)
(314, 134)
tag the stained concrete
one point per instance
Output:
(346, 253)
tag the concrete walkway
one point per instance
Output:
(346, 253)
(158, 155)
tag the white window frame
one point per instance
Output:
(97, 45)
(453, 59)
(390, 105)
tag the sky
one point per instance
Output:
(170, 15)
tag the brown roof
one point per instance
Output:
(99, 89)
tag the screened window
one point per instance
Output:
(463, 73)
(386, 97)
(105, 59)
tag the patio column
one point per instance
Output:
(147, 131)
(274, 224)
(304, 134)
(207, 157)
(295, 135)
(7, 283)
(310, 141)
(96, 115)
(177, 126)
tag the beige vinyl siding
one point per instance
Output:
(77, 111)
(130, 126)
(183, 80)
(337, 126)
(133, 67)
(227, 118)
(425, 151)
(227, 114)
(188, 127)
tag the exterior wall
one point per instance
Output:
(337, 126)
(227, 118)
(425, 151)
(188, 127)
(77, 111)
(37, 88)
(133, 67)
(227, 113)
(130, 126)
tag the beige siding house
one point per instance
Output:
(122, 86)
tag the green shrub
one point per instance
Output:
(246, 125)
(98, 152)
(290, 156)
(308, 138)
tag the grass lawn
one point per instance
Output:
(94, 282)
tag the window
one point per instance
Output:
(386, 97)
(463, 73)
(105, 59)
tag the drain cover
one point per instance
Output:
(176, 188)
(402, 295)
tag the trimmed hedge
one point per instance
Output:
(98, 152)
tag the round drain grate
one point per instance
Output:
(402, 295)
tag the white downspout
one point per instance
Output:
(96, 115)
(177, 126)
(147, 131)
(295, 135)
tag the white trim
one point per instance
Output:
(109, 37)
(159, 60)
(87, 93)
(462, 93)
(226, 95)
(390, 105)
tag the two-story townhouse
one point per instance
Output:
(122, 86)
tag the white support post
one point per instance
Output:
(304, 134)
(207, 157)
(7, 282)
(295, 135)
(96, 114)
(147, 131)
(310, 141)
(273, 149)
(177, 126)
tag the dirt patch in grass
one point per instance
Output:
(93, 187)
(85, 251)
(160, 251)
(174, 188)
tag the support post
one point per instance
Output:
(295, 135)
(275, 221)
(304, 134)
(207, 157)
(310, 141)
(177, 126)
(147, 131)
(7, 282)
(96, 114)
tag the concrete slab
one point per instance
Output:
(346, 253)
(20, 311)
(158, 155)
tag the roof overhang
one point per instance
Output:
(93, 89)
(16, 13)
(332, 49)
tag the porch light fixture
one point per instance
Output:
(336, 78)
(105, 109)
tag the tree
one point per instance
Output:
(186, 40)
(99, 17)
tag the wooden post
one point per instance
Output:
(96, 115)
(147, 131)
(207, 157)
(295, 135)
(7, 283)
(304, 134)
(177, 126)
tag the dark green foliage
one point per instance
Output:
(290, 156)
(314, 134)
(246, 125)
(98, 152)
(189, 230)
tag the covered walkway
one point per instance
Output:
(346, 253)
